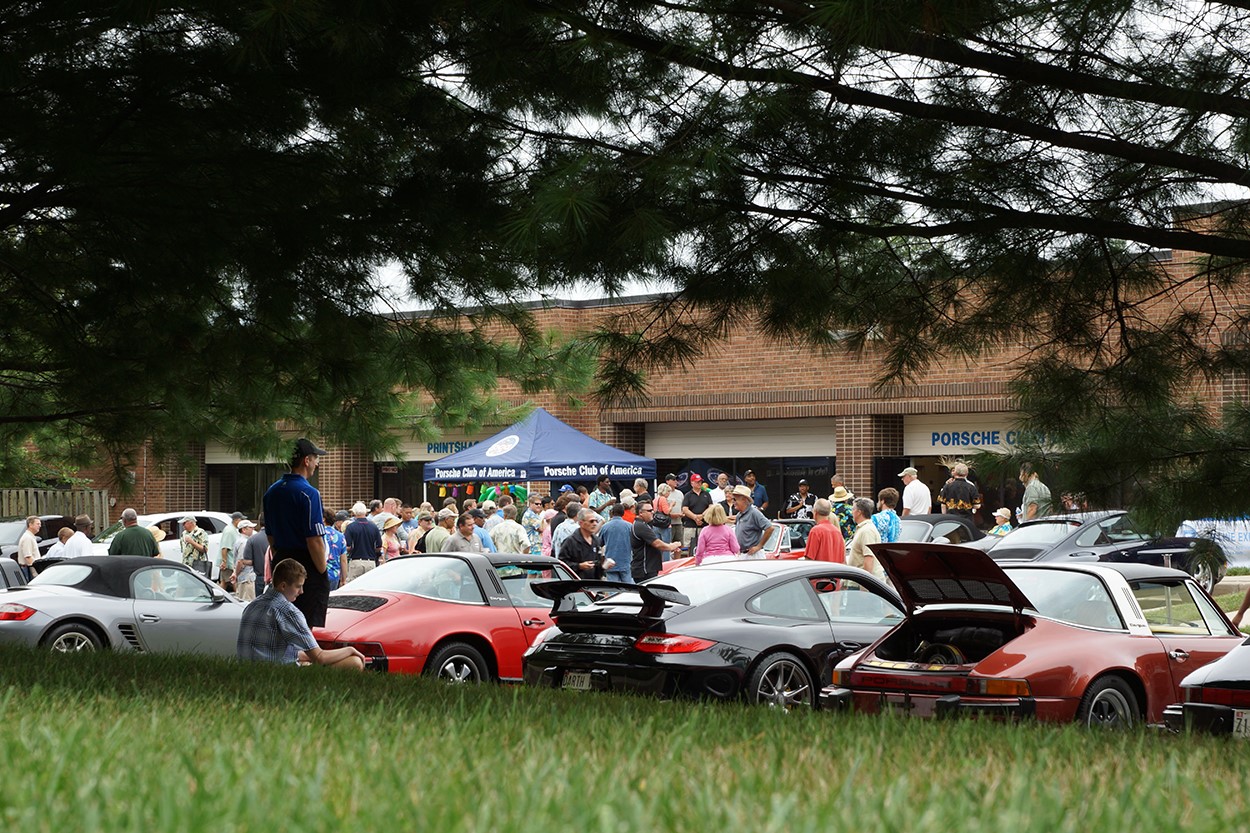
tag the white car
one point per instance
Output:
(214, 523)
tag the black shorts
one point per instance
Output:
(316, 596)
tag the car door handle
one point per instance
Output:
(1179, 655)
(149, 617)
(849, 646)
(533, 623)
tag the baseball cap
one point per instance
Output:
(909, 470)
(238, 516)
(304, 447)
(566, 488)
(488, 504)
(802, 482)
(476, 513)
(246, 524)
(186, 518)
(1002, 512)
(694, 478)
(670, 476)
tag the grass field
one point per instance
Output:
(123, 743)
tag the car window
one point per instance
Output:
(166, 584)
(705, 583)
(1120, 530)
(11, 531)
(210, 524)
(953, 531)
(793, 600)
(1095, 536)
(1173, 608)
(1078, 598)
(518, 581)
(846, 600)
(61, 575)
(433, 576)
(913, 530)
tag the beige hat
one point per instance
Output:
(742, 491)
(841, 495)
(909, 470)
(391, 523)
(157, 533)
(1002, 512)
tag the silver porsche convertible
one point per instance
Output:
(126, 603)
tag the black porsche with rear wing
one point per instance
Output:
(766, 630)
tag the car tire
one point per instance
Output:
(1201, 571)
(458, 662)
(72, 638)
(781, 681)
(1109, 703)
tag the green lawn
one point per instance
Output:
(121, 743)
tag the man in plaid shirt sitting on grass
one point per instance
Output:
(273, 629)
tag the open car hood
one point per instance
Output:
(603, 616)
(927, 574)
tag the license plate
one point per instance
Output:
(1241, 723)
(577, 680)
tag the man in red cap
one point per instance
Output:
(692, 508)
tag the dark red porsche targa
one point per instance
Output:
(460, 616)
(1102, 644)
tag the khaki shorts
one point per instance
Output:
(357, 568)
(247, 590)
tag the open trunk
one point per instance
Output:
(946, 644)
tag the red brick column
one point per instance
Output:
(344, 477)
(861, 439)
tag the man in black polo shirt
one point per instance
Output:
(692, 508)
(648, 549)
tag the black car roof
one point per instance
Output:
(110, 574)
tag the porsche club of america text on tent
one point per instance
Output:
(539, 447)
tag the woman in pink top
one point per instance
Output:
(547, 515)
(390, 540)
(716, 541)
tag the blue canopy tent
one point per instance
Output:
(539, 447)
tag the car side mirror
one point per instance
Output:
(824, 585)
(219, 596)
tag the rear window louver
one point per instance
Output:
(364, 604)
(948, 589)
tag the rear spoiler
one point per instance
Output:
(654, 596)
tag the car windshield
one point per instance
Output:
(1045, 532)
(1078, 598)
(107, 535)
(10, 531)
(435, 576)
(518, 580)
(704, 584)
(61, 575)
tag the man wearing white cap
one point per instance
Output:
(917, 499)
(1003, 516)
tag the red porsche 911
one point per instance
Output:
(1101, 644)
(460, 616)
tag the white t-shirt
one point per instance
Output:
(917, 498)
(77, 546)
(27, 547)
(674, 504)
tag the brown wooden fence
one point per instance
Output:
(18, 503)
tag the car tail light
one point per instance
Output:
(993, 687)
(369, 649)
(14, 612)
(840, 678)
(1235, 697)
(669, 643)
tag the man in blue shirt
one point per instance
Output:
(274, 630)
(615, 535)
(296, 528)
(759, 495)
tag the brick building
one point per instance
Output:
(786, 410)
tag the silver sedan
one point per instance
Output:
(126, 603)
